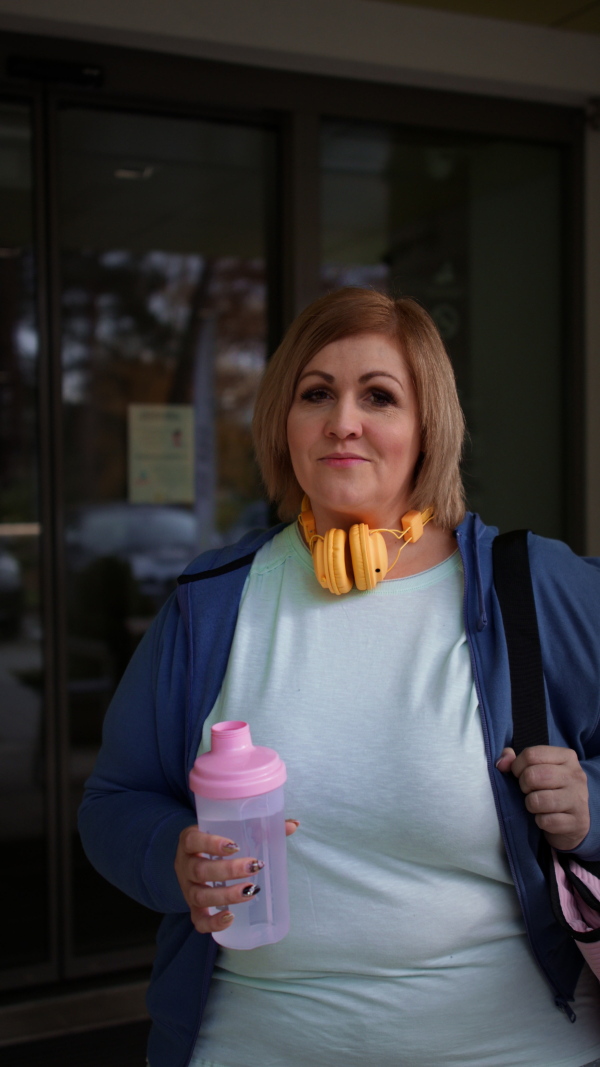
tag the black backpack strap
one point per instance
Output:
(512, 579)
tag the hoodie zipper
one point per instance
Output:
(559, 998)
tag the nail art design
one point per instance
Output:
(230, 846)
(254, 866)
(250, 890)
(226, 917)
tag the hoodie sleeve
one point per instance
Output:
(136, 801)
(567, 595)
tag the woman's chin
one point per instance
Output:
(341, 500)
(342, 510)
(336, 511)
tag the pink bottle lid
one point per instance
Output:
(235, 767)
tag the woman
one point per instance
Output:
(421, 926)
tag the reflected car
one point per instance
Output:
(156, 541)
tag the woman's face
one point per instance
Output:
(353, 432)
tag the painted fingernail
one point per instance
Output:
(256, 865)
(230, 846)
(250, 890)
(226, 917)
(295, 821)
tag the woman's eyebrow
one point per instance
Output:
(363, 378)
(380, 374)
(320, 373)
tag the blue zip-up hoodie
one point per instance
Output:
(137, 800)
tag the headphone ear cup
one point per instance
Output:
(335, 555)
(329, 561)
(369, 556)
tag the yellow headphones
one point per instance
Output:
(368, 550)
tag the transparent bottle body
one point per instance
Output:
(257, 825)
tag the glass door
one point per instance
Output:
(25, 887)
(163, 230)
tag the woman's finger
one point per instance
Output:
(544, 755)
(561, 824)
(195, 842)
(506, 760)
(205, 923)
(205, 896)
(208, 870)
(550, 776)
(548, 801)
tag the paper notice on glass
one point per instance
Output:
(161, 453)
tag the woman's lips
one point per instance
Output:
(337, 460)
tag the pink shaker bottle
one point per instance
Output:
(239, 795)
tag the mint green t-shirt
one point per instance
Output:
(407, 946)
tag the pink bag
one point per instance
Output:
(575, 896)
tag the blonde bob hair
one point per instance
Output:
(345, 313)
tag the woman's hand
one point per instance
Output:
(556, 791)
(194, 870)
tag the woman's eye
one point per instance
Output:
(381, 398)
(314, 395)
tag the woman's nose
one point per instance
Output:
(344, 420)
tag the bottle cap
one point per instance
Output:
(235, 767)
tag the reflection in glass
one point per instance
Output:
(24, 890)
(163, 232)
(471, 228)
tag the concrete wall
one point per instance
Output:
(381, 42)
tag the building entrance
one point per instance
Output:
(159, 227)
